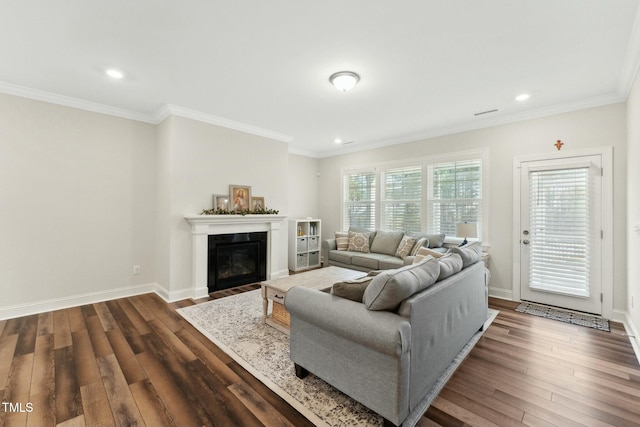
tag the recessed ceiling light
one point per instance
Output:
(115, 74)
(337, 141)
(523, 97)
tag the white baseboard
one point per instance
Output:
(632, 331)
(37, 307)
(501, 293)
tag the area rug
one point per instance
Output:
(235, 325)
(566, 316)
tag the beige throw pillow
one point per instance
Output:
(358, 242)
(342, 240)
(351, 289)
(422, 241)
(425, 252)
(406, 245)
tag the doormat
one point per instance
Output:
(566, 316)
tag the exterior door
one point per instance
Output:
(561, 232)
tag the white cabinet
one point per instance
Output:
(304, 244)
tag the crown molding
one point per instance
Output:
(631, 60)
(174, 110)
(68, 101)
(480, 124)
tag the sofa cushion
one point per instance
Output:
(435, 240)
(343, 257)
(388, 289)
(370, 260)
(390, 262)
(470, 253)
(342, 240)
(450, 264)
(386, 242)
(351, 289)
(405, 246)
(359, 241)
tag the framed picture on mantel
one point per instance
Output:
(221, 202)
(257, 203)
(239, 196)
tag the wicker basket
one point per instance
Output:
(280, 313)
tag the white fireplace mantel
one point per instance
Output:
(204, 225)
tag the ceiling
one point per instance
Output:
(426, 66)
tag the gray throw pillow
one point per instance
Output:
(388, 289)
(351, 289)
(450, 264)
(470, 253)
(435, 240)
(386, 242)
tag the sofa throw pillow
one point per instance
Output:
(422, 241)
(470, 253)
(425, 252)
(351, 289)
(372, 233)
(358, 242)
(386, 242)
(404, 248)
(388, 289)
(450, 264)
(435, 240)
(342, 240)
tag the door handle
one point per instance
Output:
(526, 242)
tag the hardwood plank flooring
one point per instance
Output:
(135, 361)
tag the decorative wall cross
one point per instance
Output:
(559, 144)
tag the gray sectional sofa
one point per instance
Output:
(381, 253)
(387, 349)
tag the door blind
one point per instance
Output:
(559, 231)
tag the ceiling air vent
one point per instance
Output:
(486, 112)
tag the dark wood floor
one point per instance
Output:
(135, 361)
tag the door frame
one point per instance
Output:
(606, 154)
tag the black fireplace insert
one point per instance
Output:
(236, 259)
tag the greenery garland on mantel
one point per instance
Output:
(265, 211)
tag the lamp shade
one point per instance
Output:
(467, 229)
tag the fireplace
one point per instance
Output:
(236, 259)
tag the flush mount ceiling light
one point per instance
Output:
(114, 74)
(344, 80)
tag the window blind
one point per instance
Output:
(359, 199)
(401, 198)
(559, 231)
(454, 195)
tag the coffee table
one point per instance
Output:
(276, 291)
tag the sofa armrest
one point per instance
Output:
(382, 331)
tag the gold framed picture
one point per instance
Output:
(239, 197)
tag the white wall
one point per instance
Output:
(303, 183)
(198, 160)
(597, 127)
(633, 211)
(77, 203)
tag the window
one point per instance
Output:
(401, 198)
(430, 195)
(454, 195)
(359, 199)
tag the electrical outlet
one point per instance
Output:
(136, 270)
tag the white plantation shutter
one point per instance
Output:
(359, 199)
(401, 194)
(454, 195)
(559, 230)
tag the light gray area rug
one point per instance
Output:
(567, 316)
(235, 325)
